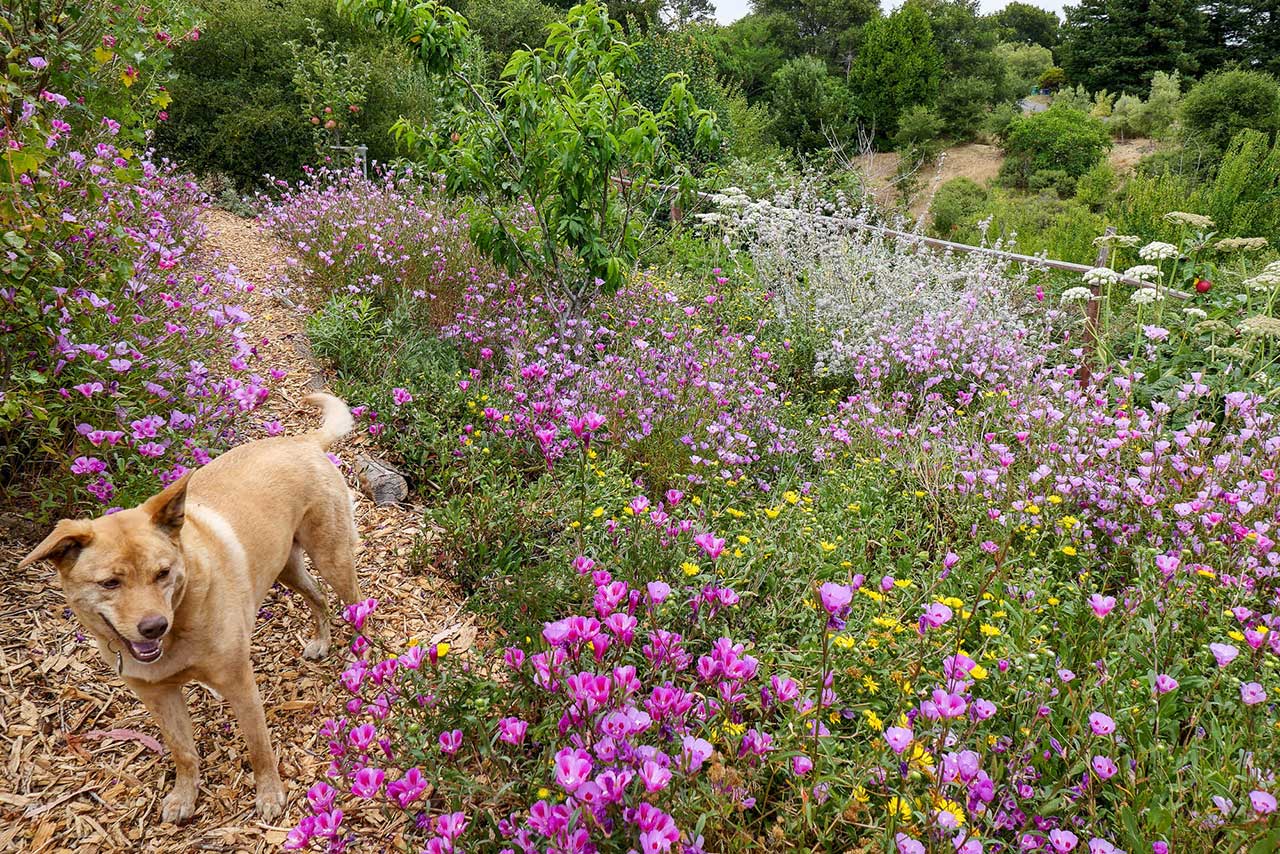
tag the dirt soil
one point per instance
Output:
(974, 160)
(81, 765)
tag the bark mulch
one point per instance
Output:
(81, 765)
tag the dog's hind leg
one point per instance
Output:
(329, 536)
(168, 707)
(296, 578)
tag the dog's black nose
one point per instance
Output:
(152, 627)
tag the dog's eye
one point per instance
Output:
(162, 575)
(109, 584)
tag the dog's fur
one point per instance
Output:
(171, 589)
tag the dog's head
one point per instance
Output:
(124, 574)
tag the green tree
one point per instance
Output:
(809, 104)
(687, 52)
(1027, 24)
(1227, 102)
(1161, 108)
(505, 26)
(1126, 116)
(825, 28)
(563, 148)
(1120, 44)
(1058, 139)
(751, 49)
(898, 67)
(1025, 65)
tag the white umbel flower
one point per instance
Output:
(1157, 251)
(1264, 281)
(1146, 272)
(1077, 294)
(1241, 244)
(1099, 276)
(1145, 296)
(1195, 313)
(1191, 219)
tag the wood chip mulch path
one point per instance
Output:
(81, 767)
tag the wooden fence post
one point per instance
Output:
(1092, 312)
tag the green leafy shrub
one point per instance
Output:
(963, 104)
(809, 104)
(1028, 65)
(956, 202)
(1227, 102)
(684, 52)
(235, 107)
(1161, 108)
(1096, 187)
(1060, 228)
(918, 131)
(1057, 139)
(1056, 181)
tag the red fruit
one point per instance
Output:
(331, 124)
(315, 120)
(1203, 286)
(328, 110)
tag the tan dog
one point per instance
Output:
(171, 589)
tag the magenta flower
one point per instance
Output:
(654, 777)
(1263, 803)
(1252, 693)
(934, 616)
(320, 797)
(1105, 767)
(801, 765)
(408, 788)
(835, 598)
(898, 737)
(401, 396)
(512, 730)
(1165, 683)
(1101, 605)
(450, 742)
(573, 768)
(907, 845)
(367, 782)
(1223, 653)
(710, 543)
(1101, 724)
(658, 591)
(1063, 840)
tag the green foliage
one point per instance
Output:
(689, 53)
(505, 26)
(1026, 65)
(1053, 78)
(1029, 25)
(1056, 181)
(331, 85)
(751, 50)
(918, 128)
(1000, 119)
(1101, 108)
(955, 203)
(559, 140)
(748, 127)
(898, 67)
(963, 105)
(1044, 223)
(1161, 108)
(1073, 98)
(808, 104)
(1120, 44)
(1127, 116)
(1097, 186)
(1225, 103)
(824, 28)
(235, 109)
(1056, 139)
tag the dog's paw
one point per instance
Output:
(178, 808)
(316, 649)
(270, 804)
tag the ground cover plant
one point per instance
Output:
(951, 597)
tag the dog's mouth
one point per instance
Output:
(145, 651)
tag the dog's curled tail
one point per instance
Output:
(337, 418)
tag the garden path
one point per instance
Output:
(80, 768)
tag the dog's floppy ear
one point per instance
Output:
(63, 544)
(168, 510)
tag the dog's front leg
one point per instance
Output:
(241, 691)
(169, 708)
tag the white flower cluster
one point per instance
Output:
(1077, 294)
(1157, 251)
(1128, 240)
(1241, 244)
(1264, 281)
(1143, 272)
(1145, 296)
(1100, 276)
(1191, 219)
(1195, 313)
